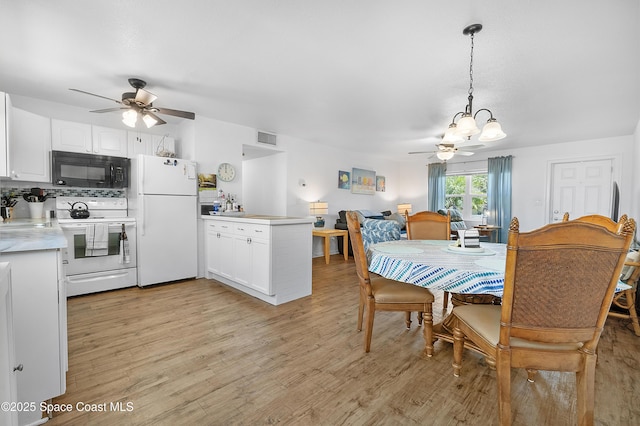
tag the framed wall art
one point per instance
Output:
(363, 181)
(380, 183)
(344, 179)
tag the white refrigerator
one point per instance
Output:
(166, 219)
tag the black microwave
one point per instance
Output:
(88, 170)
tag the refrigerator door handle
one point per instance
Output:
(141, 215)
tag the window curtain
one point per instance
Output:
(437, 178)
(499, 194)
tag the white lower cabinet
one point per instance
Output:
(269, 261)
(39, 323)
(9, 369)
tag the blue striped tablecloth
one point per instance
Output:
(432, 264)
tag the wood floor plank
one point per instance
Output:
(199, 352)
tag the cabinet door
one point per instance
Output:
(242, 259)
(8, 387)
(219, 249)
(70, 136)
(138, 143)
(4, 153)
(261, 265)
(29, 146)
(108, 141)
(37, 336)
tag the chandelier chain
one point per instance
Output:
(471, 67)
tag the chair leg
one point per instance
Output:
(427, 316)
(407, 319)
(503, 373)
(531, 375)
(360, 310)
(631, 301)
(371, 311)
(445, 300)
(420, 317)
(585, 381)
(458, 347)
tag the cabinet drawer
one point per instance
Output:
(220, 226)
(252, 230)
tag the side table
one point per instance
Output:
(327, 234)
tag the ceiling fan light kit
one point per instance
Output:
(140, 104)
(466, 125)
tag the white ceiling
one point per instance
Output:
(379, 76)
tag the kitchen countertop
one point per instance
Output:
(260, 219)
(31, 234)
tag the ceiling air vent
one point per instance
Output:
(267, 138)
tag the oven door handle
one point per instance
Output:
(97, 278)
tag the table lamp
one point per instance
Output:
(402, 208)
(318, 208)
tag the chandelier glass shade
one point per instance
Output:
(130, 118)
(466, 126)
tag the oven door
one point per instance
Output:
(80, 261)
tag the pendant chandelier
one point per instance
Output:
(466, 125)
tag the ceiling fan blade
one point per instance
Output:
(109, 109)
(176, 113)
(422, 152)
(99, 96)
(465, 153)
(144, 97)
(463, 146)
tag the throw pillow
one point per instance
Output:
(398, 218)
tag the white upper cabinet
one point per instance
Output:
(139, 143)
(29, 140)
(108, 141)
(70, 136)
(4, 153)
(88, 139)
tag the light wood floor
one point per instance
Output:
(200, 353)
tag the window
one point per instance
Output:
(467, 193)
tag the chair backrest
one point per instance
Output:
(355, 236)
(428, 226)
(600, 220)
(560, 280)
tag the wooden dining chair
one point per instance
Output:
(624, 302)
(381, 294)
(559, 282)
(429, 226)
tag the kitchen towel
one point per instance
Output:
(97, 238)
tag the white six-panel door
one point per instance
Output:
(581, 188)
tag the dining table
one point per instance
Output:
(442, 265)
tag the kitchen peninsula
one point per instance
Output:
(39, 301)
(267, 257)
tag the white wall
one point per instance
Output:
(531, 168)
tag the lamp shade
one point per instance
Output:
(149, 121)
(318, 208)
(451, 135)
(466, 126)
(129, 118)
(492, 131)
(402, 208)
(445, 155)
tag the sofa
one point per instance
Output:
(392, 229)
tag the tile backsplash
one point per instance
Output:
(21, 210)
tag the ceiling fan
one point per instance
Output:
(139, 103)
(446, 151)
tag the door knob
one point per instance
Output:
(18, 368)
